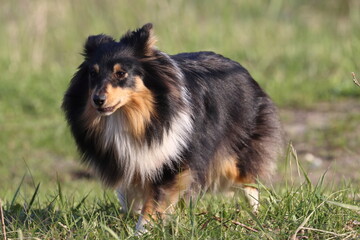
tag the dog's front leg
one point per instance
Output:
(158, 201)
(149, 210)
(123, 200)
(129, 200)
(162, 198)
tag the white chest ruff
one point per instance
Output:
(142, 158)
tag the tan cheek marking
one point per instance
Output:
(139, 109)
(116, 94)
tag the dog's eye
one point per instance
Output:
(121, 74)
(92, 73)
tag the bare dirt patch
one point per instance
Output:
(327, 139)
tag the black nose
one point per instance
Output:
(99, 100)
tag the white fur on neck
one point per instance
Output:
(142, 158)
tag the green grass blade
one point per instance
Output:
(110, 231)
(299, 166)
(17, 192)
(252, 215)
(344, 205)
(81, 202)
(33, 197)
(60, 190)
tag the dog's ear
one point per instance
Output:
(142, 40)
(93, 42)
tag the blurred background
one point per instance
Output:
(301, 52)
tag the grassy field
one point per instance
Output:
(301, 52)
(292, 211)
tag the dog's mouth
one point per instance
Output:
(108, 110)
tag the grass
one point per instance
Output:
(301, 52)
(292, 211)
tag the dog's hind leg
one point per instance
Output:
(232, 173)
(252, 195)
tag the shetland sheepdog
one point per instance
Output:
(159, 127)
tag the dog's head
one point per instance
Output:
(114, 69)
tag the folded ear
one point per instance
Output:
(93, 42)
(142, 40)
